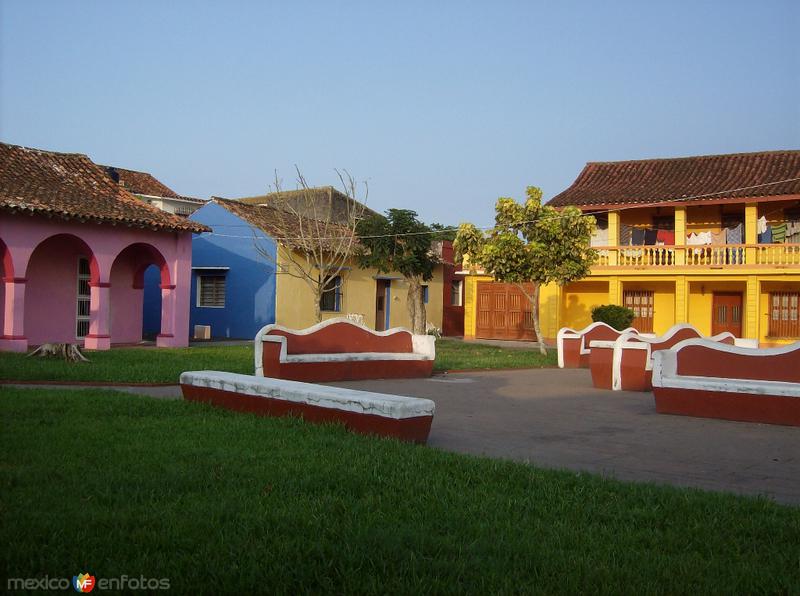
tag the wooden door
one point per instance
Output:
(726, 313)
(641, 302)
(381, 304)
(503, 312)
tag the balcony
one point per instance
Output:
(722, 256)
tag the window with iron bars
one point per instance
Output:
(784, 314)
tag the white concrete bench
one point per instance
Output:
(406, 418)
(341, 350)
(626, 364)
(698, 377)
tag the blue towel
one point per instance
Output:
(765, 237)
(735, 235)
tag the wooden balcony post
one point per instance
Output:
(680, 235)
(750, 232)
(613, 237)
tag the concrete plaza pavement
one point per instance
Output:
(554, 418)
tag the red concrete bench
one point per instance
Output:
(341, 350)
(573, 346)
(706, 379)
(405, 418)
(626, 364)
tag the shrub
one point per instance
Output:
(433, 330)
(617, 317)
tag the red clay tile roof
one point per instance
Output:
(330, 203)
(71, 186)
(280, 225)
(140, 183)
(143, 183)
(702, 178)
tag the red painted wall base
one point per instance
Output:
(601, 363)
(744, 407)
(632, 373)
(414, 430)
(572, 352)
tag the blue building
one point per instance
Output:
(233, 282)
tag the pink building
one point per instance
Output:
(75, 246)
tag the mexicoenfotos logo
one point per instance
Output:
(83, 582)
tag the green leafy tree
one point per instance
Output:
(400, 242)
(443, 232)
(531, 243)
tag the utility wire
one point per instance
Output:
(486, 228)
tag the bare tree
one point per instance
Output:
(314, 229)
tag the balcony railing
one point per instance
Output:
(714, 256)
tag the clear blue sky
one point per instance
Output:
(442, 106)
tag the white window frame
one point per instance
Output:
(198, 292)
(87, 277)
(460, 283)
(337, 296)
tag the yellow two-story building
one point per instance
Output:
(712, 240)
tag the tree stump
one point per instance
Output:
(69, 352)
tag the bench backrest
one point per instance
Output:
(601, 332)
(341, 337)
(674, 335)
(705, 360)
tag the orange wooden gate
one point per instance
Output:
(504, 312)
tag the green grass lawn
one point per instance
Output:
(148, 365)
(454, 355)
(129, 365)
(215, 501)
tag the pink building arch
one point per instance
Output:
(5, 258)
(7, 277)
(127, 285)
(52, 287)
(47, 250)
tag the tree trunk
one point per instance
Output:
(317, 300)
(416, 307)
(535, 315)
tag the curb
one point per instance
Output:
(470, 370)
(87, 383)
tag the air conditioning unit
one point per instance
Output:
(202, 331)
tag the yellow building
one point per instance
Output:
(378, 300)
(713, 241)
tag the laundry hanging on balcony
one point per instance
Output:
(666, 237)
(734, 235)
(793, 231)
(779, 233)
